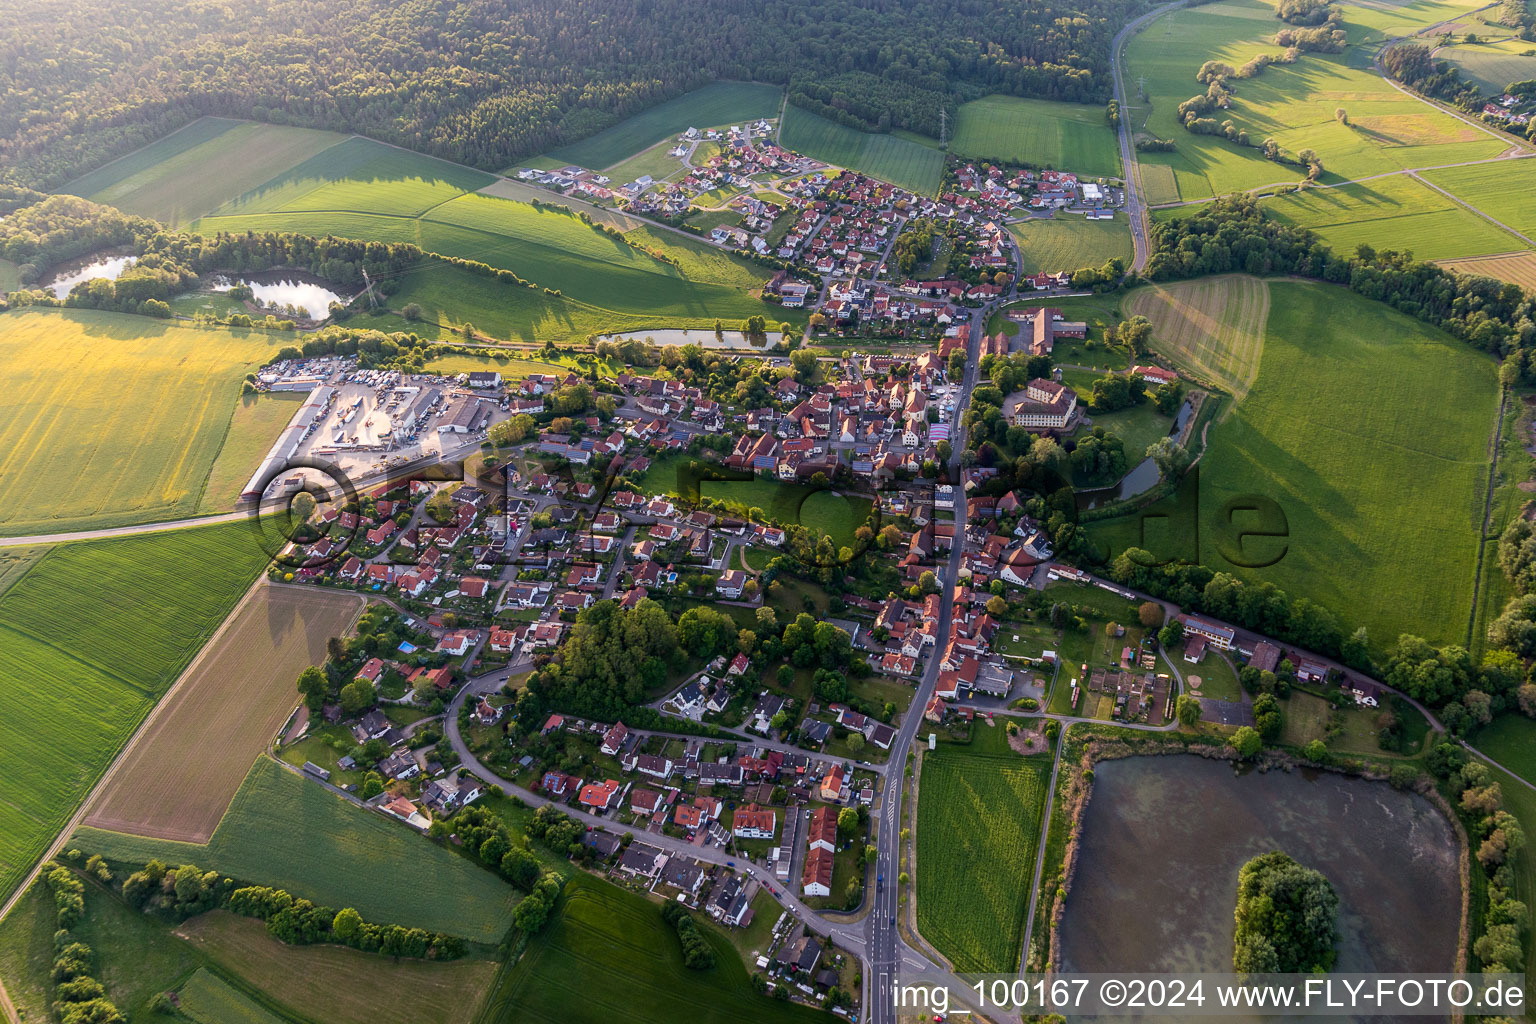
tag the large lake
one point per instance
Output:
(1163, 839)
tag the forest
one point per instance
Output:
(487, 82)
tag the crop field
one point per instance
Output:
(1515, 267)
(1505, 190)
(1293, 104)
(206, 998)
(361, 176)
(978, 826)
(179, 178)
(185, 768)
(1492, 65)
(94, 633)
(602, 927)
(1066, 136)
(900, 161)
(109, 419)
(257, 421)
(1393, 213)
(289, 832)
(1070, 243)
(1351, 400)
(15, 561)
(716, 104)
(1214, 326)
(335, 984)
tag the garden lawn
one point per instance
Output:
(85, 662)
(179, 178)
(715, 105)
(1043, 133)
(1400, 213)
(1370, 430)
(108, 419)
(286, 831)
(600, 927)
(897, 160)
(1066, 242)
(1293, 104)
(978, 826)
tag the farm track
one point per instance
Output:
(1482, 540)
(1462, 202)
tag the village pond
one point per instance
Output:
(1163, 839)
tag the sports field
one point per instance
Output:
(1492, 65)
(716, 104)
(1067, 242)
(1370, 430)
(188, 764)
(602, 928)
(1505, 190)
(1293, 104)
(289, 832)
(1393, 213)
(978, 829)
(1044, 133)
(1516, 268)
(179, 178)
(900, 161)
(1213, 326)
(94, 633)
(108, 419)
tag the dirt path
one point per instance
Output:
(1482, 539)
(1466, 205)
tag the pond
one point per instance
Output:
(282, 288)
(98, 266)
(701, 336)
(1142, 477)
(1163, 839)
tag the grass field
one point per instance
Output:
(205, 998)
(1351, 400)
(217, 954)
(257, 421)
(179, 178)
(839, 516)
(900, 161)
(1505, 190)
(285, 831)
(1515, 267)
(1393, 213)
(182, 773)
(1494, 64)
(109, 419)
(360, 175)
(1066, 136)
(716, 104)
(601, 927)
(1070, 243)
(94, 633)
(978, 823)
(1511, 741)
(335, 984)
(1213, 326)
(10, 276)
(1293, 104)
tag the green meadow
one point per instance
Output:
(1067, 242)
(1370, 431)
(713, 106)
(1399, 212)
(1294, 104)
(289, 832)
(179, 178)
(1494, 64)
(1044, 133)
(1505, 191)
(896, 159)
(621, 936)
(94, 633)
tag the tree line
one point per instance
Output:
(487, 82)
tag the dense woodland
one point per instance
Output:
(486, 82)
